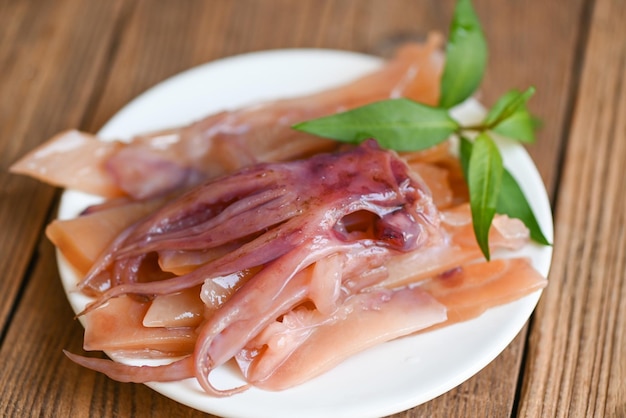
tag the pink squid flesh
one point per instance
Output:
(156, 163)
(268, 211)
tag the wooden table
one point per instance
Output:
(74, 63)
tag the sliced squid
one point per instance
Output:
(237, 237)
(156, 163)
(289, 256)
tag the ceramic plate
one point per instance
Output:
(386, 379)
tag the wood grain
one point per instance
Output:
(577, 356)
(536, 45)
(163, 41)
(74, 64)
(51, 56)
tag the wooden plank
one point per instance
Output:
(163, 38)
(172, 37)
(50, 57)
(535, 44)
(577, 354)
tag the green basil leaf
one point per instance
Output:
(484, 181)
(465, 151)
(520, 126)
(466, 56)
(507, 105)
(513, 202)
(399, 124)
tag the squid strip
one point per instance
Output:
(322, 200)
(157, 163)
(172, 372)
(289, 252)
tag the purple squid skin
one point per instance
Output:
(281, 218)
(268, 210)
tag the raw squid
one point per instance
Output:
(310, 208)
(304, 344)
(313, 249)
(239, 239)
(160, 162)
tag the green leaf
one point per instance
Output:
(399, 124)
(509, 103)
(465, 151)
(509, 117)
(519, 126)
(513, 202)
(466, 56)
(484, 181)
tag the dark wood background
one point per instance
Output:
(75, 63)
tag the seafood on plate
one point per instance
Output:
(237, 239)
(163, 161)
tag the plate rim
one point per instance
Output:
(199, 400)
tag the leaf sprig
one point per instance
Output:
(406, 125)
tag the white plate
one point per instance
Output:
(384, 380)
